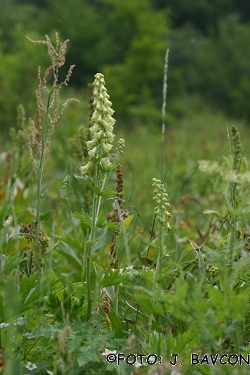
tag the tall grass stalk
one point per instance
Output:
(164, 104)
(38, 136)
(162, 231)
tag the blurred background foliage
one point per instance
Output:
(127, 41)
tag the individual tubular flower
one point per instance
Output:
(101, 129)
(162, 205)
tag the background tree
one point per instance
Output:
(127, 41)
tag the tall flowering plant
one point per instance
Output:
(98, 164)
(101, 129)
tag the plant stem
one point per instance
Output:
(163, 127)
(96, 203)
(40, 177)
(157, 272)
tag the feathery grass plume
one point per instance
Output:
(49, 110)
(39, 135)
(101, 129)
(238, 149)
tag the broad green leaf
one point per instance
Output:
(115, 323)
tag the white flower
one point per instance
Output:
(31, 366)
(101, 128)
(92, 152)
(90, 144)
(107, 147)
(107, 352)
(110, 136)
(84, 169)
(105, 162)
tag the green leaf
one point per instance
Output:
(108, 191)
(5, 211)
(92, 187)
(113, 278)
(137, 308)
(146, 261)
(200, 257)
(30, 292)
(84, 218)
(116, 324)
(87, 355)
(213, 212)
(43, 194)
(70, 254)
(103, 223)
(10, 263)
(46, 215)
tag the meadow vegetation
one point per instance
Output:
(122, 241)
(124, 220)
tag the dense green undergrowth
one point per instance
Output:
(116, 263)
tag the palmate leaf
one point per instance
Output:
(94, 338)
(103, 223)
(113, 278)
(30, 292)
(84, 218)
(86, 355)
(9, 263)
